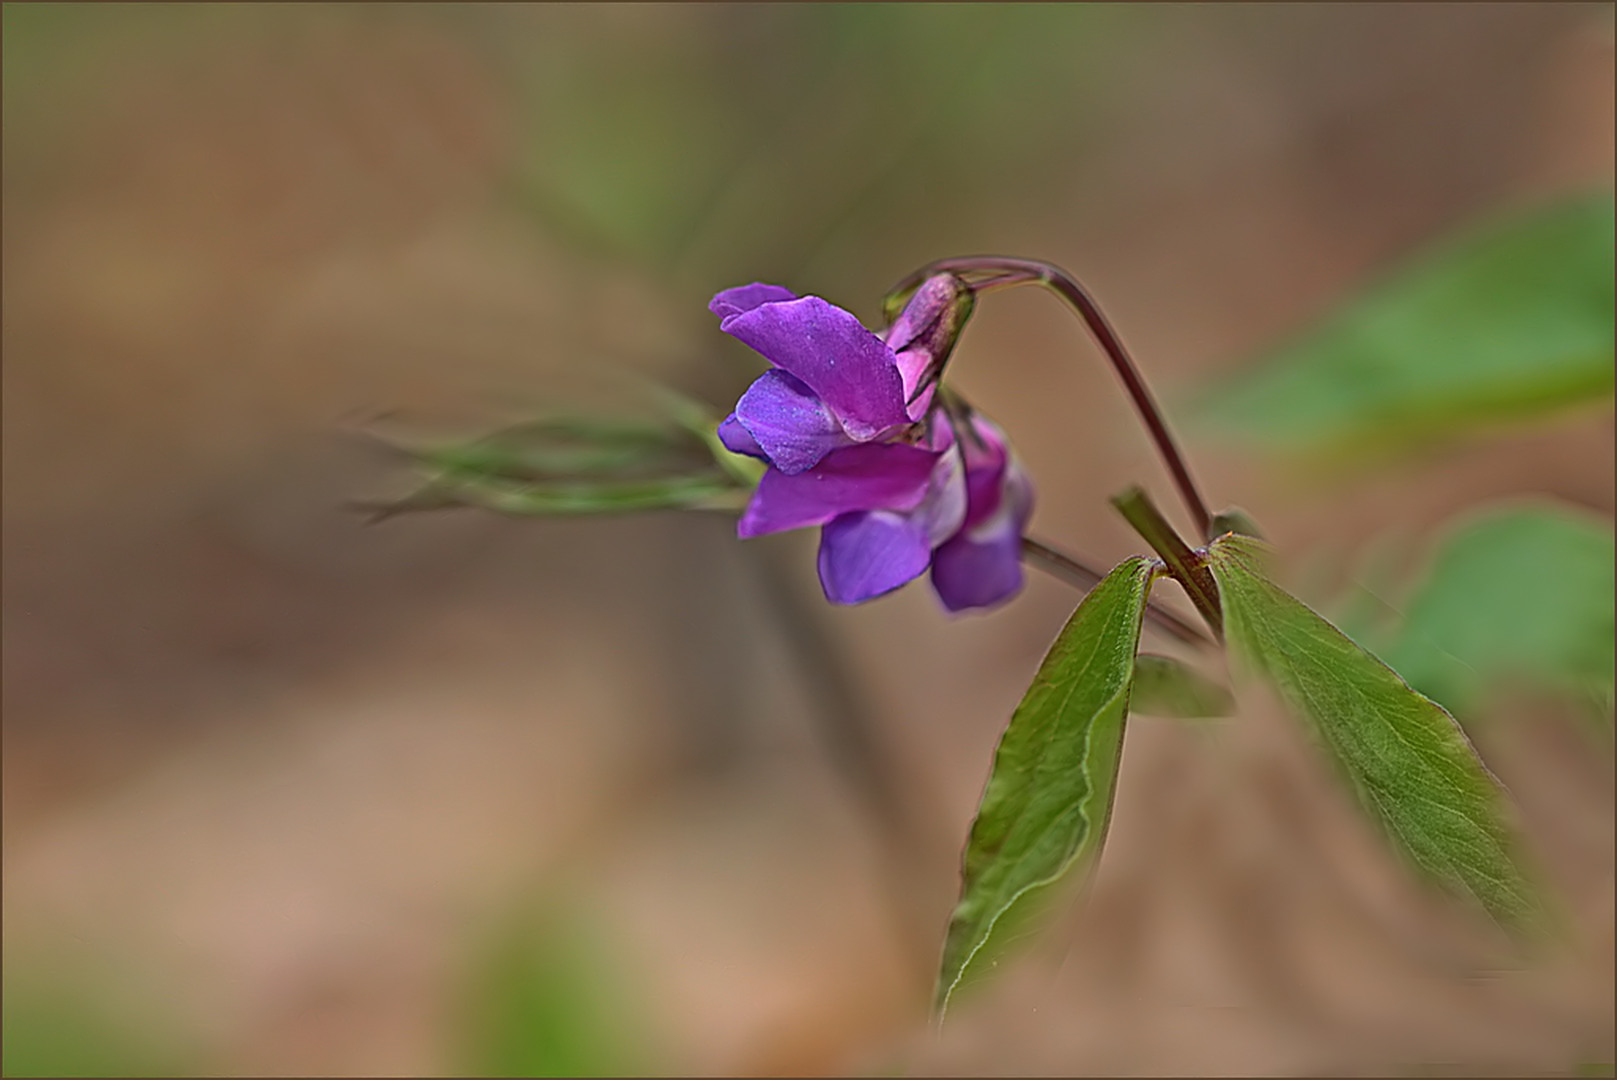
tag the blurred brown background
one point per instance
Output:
(283, 792)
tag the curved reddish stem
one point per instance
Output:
(996, 271)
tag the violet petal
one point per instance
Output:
(976, 570)
(746, 297)
(842, 362)
(871, 476)
(867, 554)
(793, 427)
(982, 565)
(738, 440)
(987, 463)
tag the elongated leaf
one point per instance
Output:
(1523, 593)
(573, 447)
(1407, 761)
(1165, 687)
(567, 498)
(585, 465)
(1505, 322)
(1043, 816)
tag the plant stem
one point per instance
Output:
(1081, 576)
(1187, 567)
(1003, 271)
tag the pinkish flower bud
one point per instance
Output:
(924, 334)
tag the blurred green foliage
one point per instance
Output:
(586, 465)
(1514, 595)
(1170, 688)
(542, 998)
(1508, 321)
(745, 141)
(61, 1022)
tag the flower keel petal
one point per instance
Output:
(981, 567)
(970, 572)
(793, 427)
(738, 440)
(872, 476)
(864, 555)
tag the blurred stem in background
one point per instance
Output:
(851, 734)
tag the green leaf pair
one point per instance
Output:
(1043, 817)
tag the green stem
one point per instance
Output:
(1059, 564)
(1187, 567)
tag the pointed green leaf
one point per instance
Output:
(1522, 593)
(1165, 687)
(564, 498)
(1508, 321)
(1407, 761)
(1044, 814)
(583, 465)
(571, 447)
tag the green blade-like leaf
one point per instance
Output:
(566, 498)
(584, 465)
(1044, 814)
(1523, 593)
(1505, 322)
(1407, 761)
(572, 447)
(1165, 687)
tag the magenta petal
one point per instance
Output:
(793, 427)
(913, 364)
(974, 571)
(871, 476)
(982, 565)
(988, 470)
(865, 555)
(846, 365)
(746, 297)
(738, 440)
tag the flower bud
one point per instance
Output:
(924, 334)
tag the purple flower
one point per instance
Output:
(856, 444)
